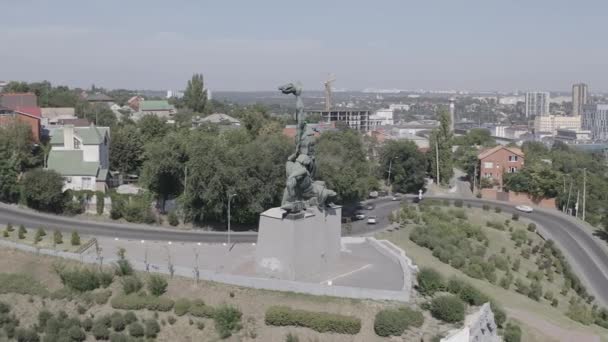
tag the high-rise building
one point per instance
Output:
(595, 119)
(537, 103)
(452, 116)
(579, 98)
(551, 123)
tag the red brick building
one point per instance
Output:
(496, 161)
(29, 116)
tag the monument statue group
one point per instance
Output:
(301, 191)
(301, 238)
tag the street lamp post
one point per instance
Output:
(390, 169)
(229, 199)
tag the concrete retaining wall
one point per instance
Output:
(393, 252)
(478, 327)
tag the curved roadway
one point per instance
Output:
(588, 259)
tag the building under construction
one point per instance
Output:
(347, 117)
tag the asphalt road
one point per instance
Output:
(29, 218)
(589, 261)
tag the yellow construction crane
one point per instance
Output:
(331, 78)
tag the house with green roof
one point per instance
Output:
(160, 108)
(81, 155)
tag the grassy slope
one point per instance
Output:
(508, 298)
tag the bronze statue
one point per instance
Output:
(301, 190)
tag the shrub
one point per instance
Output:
(57, 237)
(123, 267)
(100, 197)
(9, 227)
(458, 203)
(227, 319)
(76, 334)
(485, 207)
(152, 328)
(131, 284)
(199, 309)
(171, 320)
(200, 325)
(118, 322)
(512, 333)
(548, 295)
(536, 291)
(500, 316)
(157, 285)
(43, 317)
(105, 278)
(100, 331)
(497, 209)
(21, 233)
(318, 321)
(515, 217)
(26, 335)
(75, 240)
(81, 309)
(393, 322)
(579, 312)
(181, 307)
(102, 297)
(516, 265)
(472, 295)
(173, 220)
(80, 279)
(136, 330)
(135, 301)
(21, 284)
(429, 281)
(116, 337)
(87, 324)
(532, 227)
(130, 317)
(291, 338)
(554, 302)
(448, 308)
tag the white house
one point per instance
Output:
(81, 155)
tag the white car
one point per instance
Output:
(372, 220)
(395, 198)
(360, 216)
(524, 208)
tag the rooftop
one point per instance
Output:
(91, 135)
(70, 163)
(487, 152)
(155, 105)
(220, 118)
(98, 97)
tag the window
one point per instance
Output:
(488, 165)
(512, 158)
(488, 175)
(86, 182)
(67, 179)
(512, 169)
(76, 144)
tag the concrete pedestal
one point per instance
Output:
(293, 248)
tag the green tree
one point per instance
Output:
(407, 165)
(152, 128)
(441, 149)
(43, 190)
(75, 240)
(16, 156)
(100, 114)
(126, 150)
(342, 164)
(195, 96)
(163, 170)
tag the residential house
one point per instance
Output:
(18, 100)
(81, 156)
(160, 108)
(496, 161)
(134, 102)
(29, 116)
(98, 98)
(51, 116)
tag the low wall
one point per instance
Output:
(517, 198)
(393, 252)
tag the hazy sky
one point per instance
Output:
(258, 44)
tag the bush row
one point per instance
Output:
(139, 301)
(318, 321)
(393, 322)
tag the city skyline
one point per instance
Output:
(240, 46)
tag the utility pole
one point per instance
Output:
(437, 156)
(185, 191)
(568, 201)
(474, 178)
(578, 193)
(584, 190)
(229, 198)
(388, 179)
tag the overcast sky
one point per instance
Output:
(258, 44)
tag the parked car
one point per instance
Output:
(395, 198)
(524, 208)
(360, 216)
(370, 207)
(372, 220)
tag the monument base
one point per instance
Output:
(293, 247)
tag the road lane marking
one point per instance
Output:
(345, 274)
